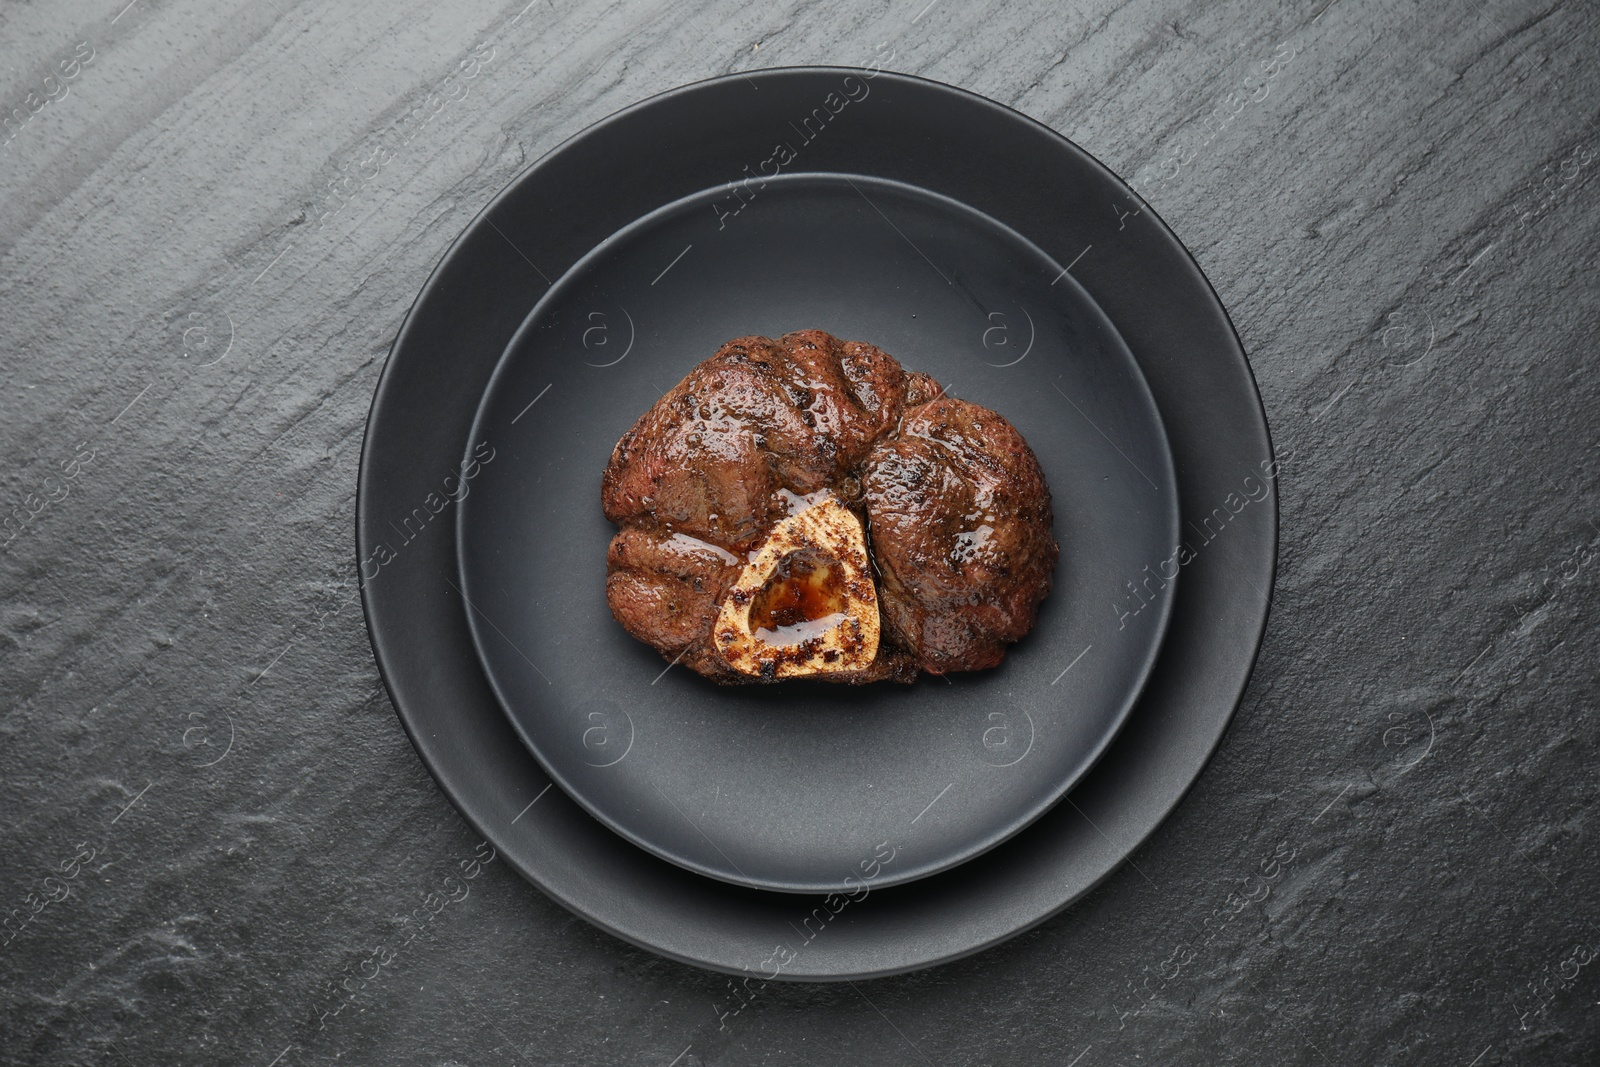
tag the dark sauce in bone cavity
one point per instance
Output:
(804, 598)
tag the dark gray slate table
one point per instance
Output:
(212, 822)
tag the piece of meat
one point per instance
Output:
(708, 459)
(665, 588)
(720, 458)
(960, 520)
(702, 480)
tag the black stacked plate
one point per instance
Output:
(809, 831)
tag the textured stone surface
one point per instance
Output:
(1401, 220)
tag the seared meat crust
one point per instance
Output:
(798, 413)
(701, 478)
(961, 533)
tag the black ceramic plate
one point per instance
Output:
(794, 786)
(938, 138)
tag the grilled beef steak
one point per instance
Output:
(761, 495)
